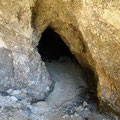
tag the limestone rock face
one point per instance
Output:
(20, 65)
(90, 28)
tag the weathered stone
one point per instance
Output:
(20, 65)
(13, 98)
(6, 69)
(9, 91)
(40, 108)
(16, 92)
(89, 28)
(80, 108)
(85, 104)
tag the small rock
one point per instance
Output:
(65, 116)
(9, 91)
(76, 115)
(80, 108)
(71, 116)
(24, 90)
(47, 88)
(16, 92)
(86, 109)
(40, 107)
(13, 98)
(85, 104)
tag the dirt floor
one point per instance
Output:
(71, 98)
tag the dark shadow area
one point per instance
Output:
(51, 46)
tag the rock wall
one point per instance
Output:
(20, 65)
(90, 28)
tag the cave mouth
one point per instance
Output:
(51, 46)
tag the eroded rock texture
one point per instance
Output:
(90, 28)
(20, 65)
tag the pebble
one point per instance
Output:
(65, 116)
(24, 90)
(9, 91)
(85, 104)
(71, 116)
(16, 92)
(86, 109)
(80, 108)
(76, 115)
(47, 89)
(13, 98)
(40, 107)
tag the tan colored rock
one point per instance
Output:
(90, 28)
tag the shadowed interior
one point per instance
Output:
(52, 47)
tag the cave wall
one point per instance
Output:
(21, 66)
(90, 28)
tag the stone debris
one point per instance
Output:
(65, 116)
(13, 98)
(85, 104)
(16, 92)
(76, 114)
(9, 91)
(17, 104)
(80, 108)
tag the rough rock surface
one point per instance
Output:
(90, 28)
(20, 65)
(71, 98)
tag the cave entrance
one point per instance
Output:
(71, 81)
(51, 46)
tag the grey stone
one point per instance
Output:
(13, 98)
(71, 116)
(85, 104)
(76, 114)
(65, 116)
(9, 90)
(31, 73)
(20, 70)
(41, 107)
(16, 92)
(6, 69)
(80, 108)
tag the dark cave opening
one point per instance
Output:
(51, 46)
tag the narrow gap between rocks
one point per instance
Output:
(71, 90)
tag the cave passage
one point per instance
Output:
(73, 79)
(51, 46)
